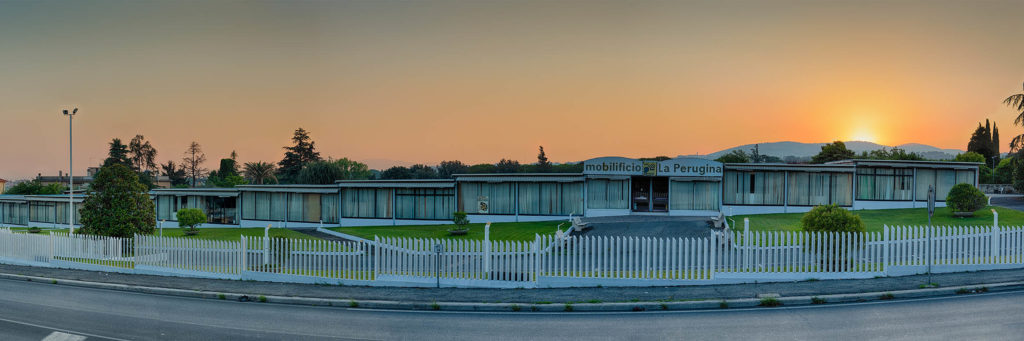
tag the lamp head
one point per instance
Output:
(65, 111)
(74, 111)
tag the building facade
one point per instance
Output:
(609, 186)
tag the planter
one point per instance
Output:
(458, 232)
(191, 232)
(34, 230)
(963, 214)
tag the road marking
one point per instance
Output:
(58, 329)
(58, 336)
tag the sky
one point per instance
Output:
(477, 81)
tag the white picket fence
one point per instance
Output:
(546, 261)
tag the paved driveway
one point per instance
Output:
(649, 226)
(1015, 202)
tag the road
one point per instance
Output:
(34, 311)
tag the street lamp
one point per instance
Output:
(71, 170)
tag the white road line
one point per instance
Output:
(59, 329)
(59, 336)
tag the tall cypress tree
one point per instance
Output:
(995, 142)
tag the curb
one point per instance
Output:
(705, 304)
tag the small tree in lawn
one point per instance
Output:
(461, 221)
(191, 217)
(117, 204)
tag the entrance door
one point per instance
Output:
(650, 194)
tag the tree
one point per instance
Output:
(891, 154)
(297, 156)
(969, 157)
(965, 198)
(507, 166)
(353, 170)
(141, 154)
(117, 205)
(834, 151)
(1003, 174)
(482, 168)
(260, 172)
(396, 172)
(320, 173)
(190, 218)
(735, 156)
(995, 144)
(420, 171)
(568, 167)
(34, 187)
(117, 153)
(192, 163)
(1016, 101)
(981, 141)
(227, 174)
(449, 168)
(543, 165)
(174, 174)
(755, 155)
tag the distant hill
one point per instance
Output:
(807, 150)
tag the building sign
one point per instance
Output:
(673, 167)
(482, 205)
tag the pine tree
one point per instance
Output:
(192, 163)
(543, 165)
(297, 156)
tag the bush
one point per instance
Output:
(831, 218)
(190, 217)
(965, 198)
(461, 221)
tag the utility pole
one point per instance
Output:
(71, 170)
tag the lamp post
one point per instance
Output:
(71, 176)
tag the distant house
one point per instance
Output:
(3, 184)
(84, 181)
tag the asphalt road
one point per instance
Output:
(34, 311)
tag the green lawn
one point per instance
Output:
(499, 231)
(875, 219)
(232, 233)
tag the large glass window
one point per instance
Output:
(221, 210)
(424, 203)
(694, 195)
(762, 188)
(61, 212)
(41, 212)
(498, 197)
(550, 198)
(607, 194)
(812, 189)
(14, 213)
(366, 203)
(942, 179)
(329, 208)
(887, 184)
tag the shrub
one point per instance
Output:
(770, 302)
(887, 296)
(263, 298)
(353, 304)
(515, 307)
(221, 297)
(817, 300)
(965, 198)
(190, 217)
(568, 307)
(460, 219)
(831, 218)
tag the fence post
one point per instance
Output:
(994, 250)
(746, 244)
(376, 256)
(714, 251)
(536, 256)
(487, 251)
(885, 248)
(51, 246)
(245, 254)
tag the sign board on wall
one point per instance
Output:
(672, 167)
(482, 205)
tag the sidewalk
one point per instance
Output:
(561, 295)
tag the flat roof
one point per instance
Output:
(838, 168)
(403, 183)
(231, 192)
(521, 177)
(290, 188)
(910, 163)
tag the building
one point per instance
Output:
(3, 186)
(609, 186)
(161, 181)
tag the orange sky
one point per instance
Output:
(431, 81)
